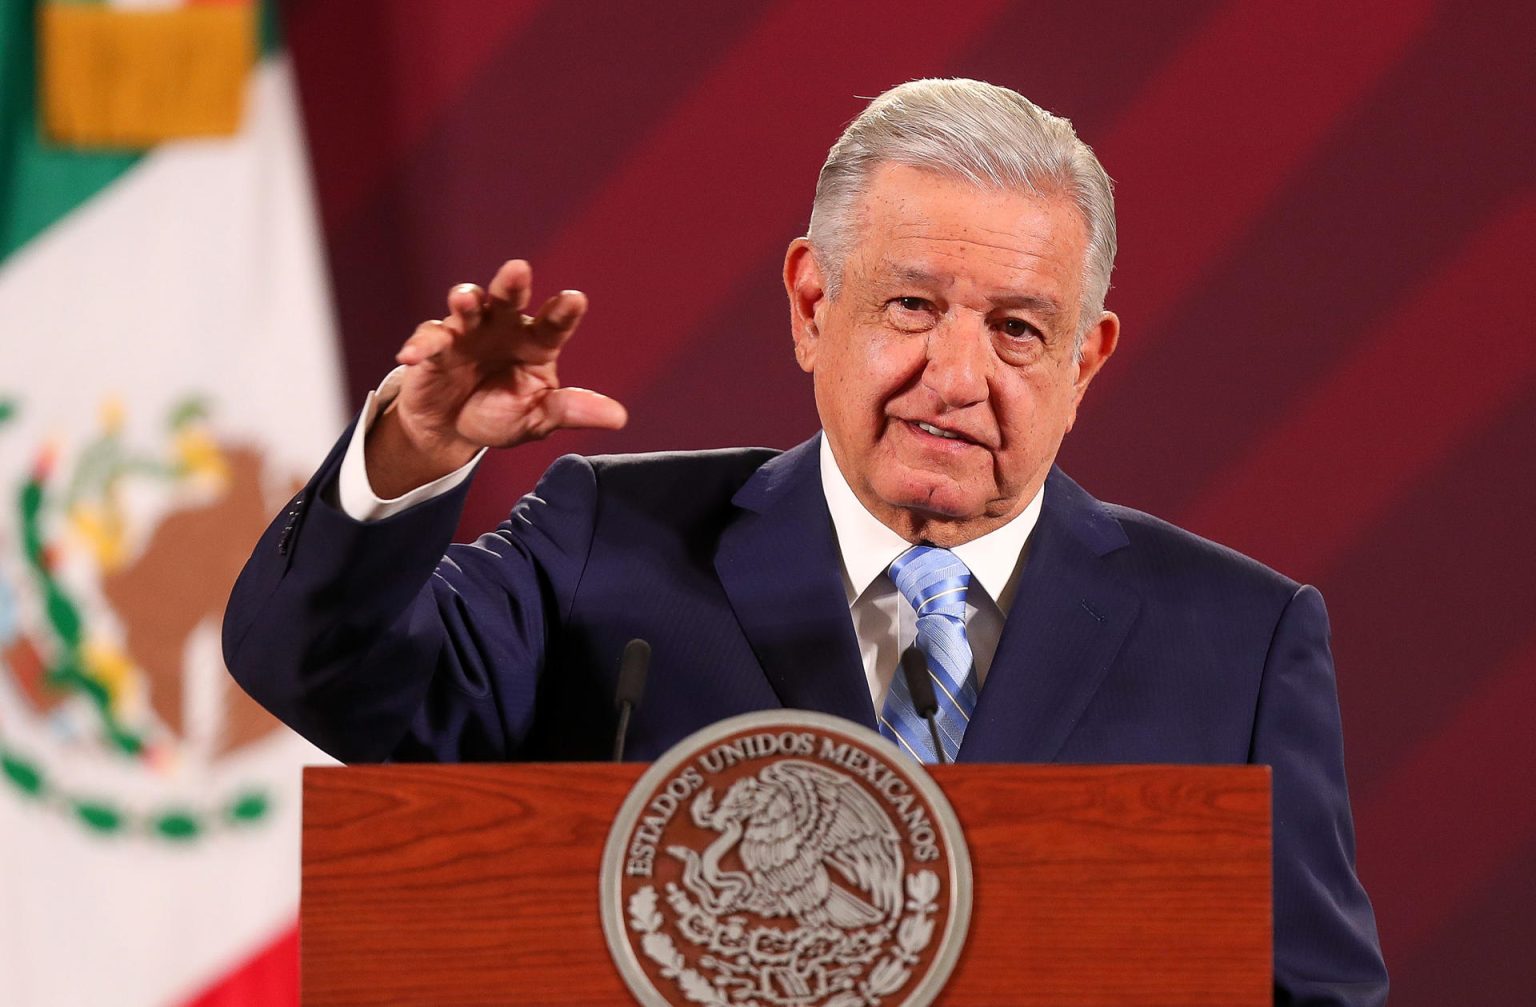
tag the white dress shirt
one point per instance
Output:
(356, 497)
(883, 620)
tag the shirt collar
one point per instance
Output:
(868, 547)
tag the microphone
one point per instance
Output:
(920, 685)
(633, 665)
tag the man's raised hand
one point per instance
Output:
(484, 376)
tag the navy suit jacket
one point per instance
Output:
(1129, 641)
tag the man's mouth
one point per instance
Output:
(931, 429)
(943, 434)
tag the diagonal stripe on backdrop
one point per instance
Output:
(659, 196)
(668, 195)
(1363, 433)
(775, 406)
(1401, 183)
(1435, 593)
(1141, 36)
(410, 58)
(1206, 100)
(507, 163)
(1427, 861)
(1481, 953)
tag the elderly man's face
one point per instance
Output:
(943, 370)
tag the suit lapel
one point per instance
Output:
(1067, 622)
(778, 562)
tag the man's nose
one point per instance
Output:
(959, 356)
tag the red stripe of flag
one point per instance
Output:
(269, 978)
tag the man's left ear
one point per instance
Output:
(807, 300)
(1099, 344)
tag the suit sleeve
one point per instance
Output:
(1326, 948)
(382, 640)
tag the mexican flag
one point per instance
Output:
(168, 376)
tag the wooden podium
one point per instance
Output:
(1094, 885)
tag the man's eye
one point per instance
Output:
(911, 303)
(1018, 328)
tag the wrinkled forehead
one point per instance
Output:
(906, 204)
(937, 232)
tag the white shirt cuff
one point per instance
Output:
(355, 493)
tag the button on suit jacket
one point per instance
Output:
(1129, 641)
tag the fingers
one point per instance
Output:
(557, 320)
(506, 417)
(566, 408)
(511, 288)
(489, 316)
(513, 284)
(466, 305)
(429, 339)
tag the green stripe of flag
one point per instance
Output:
(41, 182)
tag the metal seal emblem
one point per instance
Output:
(785, 859)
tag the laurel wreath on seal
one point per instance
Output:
(658, 947)
(889, 974)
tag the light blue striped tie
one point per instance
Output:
(934, 581)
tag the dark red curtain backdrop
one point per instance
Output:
(1327, 223)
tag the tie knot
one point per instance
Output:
(933, 581)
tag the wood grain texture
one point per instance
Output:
(1095, 885)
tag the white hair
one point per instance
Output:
(968, 129)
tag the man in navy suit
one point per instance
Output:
(948, 304)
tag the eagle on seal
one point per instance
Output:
(788, 825)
